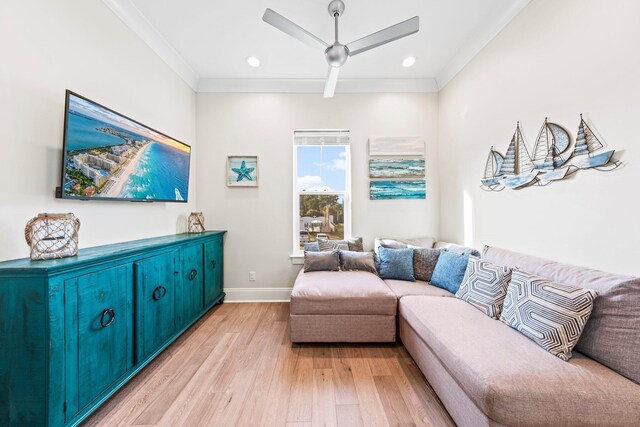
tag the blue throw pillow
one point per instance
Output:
(396, 264)
(449, 271)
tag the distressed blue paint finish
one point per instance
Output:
(396, 168)
(156, 301)
(213, 271)
(57, 362)
(389, 190)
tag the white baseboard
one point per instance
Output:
(257, 294)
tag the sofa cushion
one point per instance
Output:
(510, 378)
(402, 288)
(415, 242)
(341, 292)
(449, 271)
(396, 264)
(424, 261)
(551, 314)
(484, 286)
(458, 249)
(321, 261)
(612, 334)
(354, 261)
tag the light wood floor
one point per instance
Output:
(237, 366)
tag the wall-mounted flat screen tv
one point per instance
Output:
(108, 156)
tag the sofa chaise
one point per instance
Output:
(486, 373)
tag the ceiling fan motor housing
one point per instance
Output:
(336, 54)
(336, 7)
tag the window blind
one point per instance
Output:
(321, 137)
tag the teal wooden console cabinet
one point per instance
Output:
(73, 331)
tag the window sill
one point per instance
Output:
(297, 259)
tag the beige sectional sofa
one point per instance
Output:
(486, 373)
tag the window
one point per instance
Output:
(322, 186)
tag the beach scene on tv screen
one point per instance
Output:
(110, 156)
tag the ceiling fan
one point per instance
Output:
(337, 53)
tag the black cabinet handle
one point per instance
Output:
(107, 314)
(159, 293)
(213, 263)
(193, 274)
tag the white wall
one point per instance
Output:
(263, 124)
(49, 46)
(555, 59)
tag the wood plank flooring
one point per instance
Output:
(237, 367)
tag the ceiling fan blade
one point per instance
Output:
(294, 30)
(332, 80)
(387, 35)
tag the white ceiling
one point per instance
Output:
(208, 40)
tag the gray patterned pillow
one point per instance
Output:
(551, 314)
(355, 244)
(424, 261)
(359, 261)
(321, 261)
(333, 245)
(484, 286)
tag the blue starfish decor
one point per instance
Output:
(243, 172)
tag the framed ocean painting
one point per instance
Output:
(242, 171)
(396, 146)
(396, 168)
(395, 190)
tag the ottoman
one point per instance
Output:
(342, 306)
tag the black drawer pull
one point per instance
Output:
(159, 293)
(193, 274)
(107, 314)
(213, 263)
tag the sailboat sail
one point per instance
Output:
(586, 141)
(489, 171)
(552, 140)
(523, 160)
(509, 163)
(498, 159)
(517, 160)
(560, 137)
(494, 163)
(543, 144)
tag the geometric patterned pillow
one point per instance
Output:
(551, 314)
(485, 286)
(333, 245)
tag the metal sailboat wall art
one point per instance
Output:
(551, 159)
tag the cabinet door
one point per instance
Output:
(192, 282)
(155, 299)
(212, 271)
(98, 337)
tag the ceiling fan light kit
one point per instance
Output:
(337, 54)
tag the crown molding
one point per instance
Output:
(476, 43)
(316, 85)
(140, 25)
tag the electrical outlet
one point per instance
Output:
(252, 276)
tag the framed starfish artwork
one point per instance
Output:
(242, 171)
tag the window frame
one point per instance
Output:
(297, 252)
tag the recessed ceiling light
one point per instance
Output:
(253, 61)
(408, 61)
